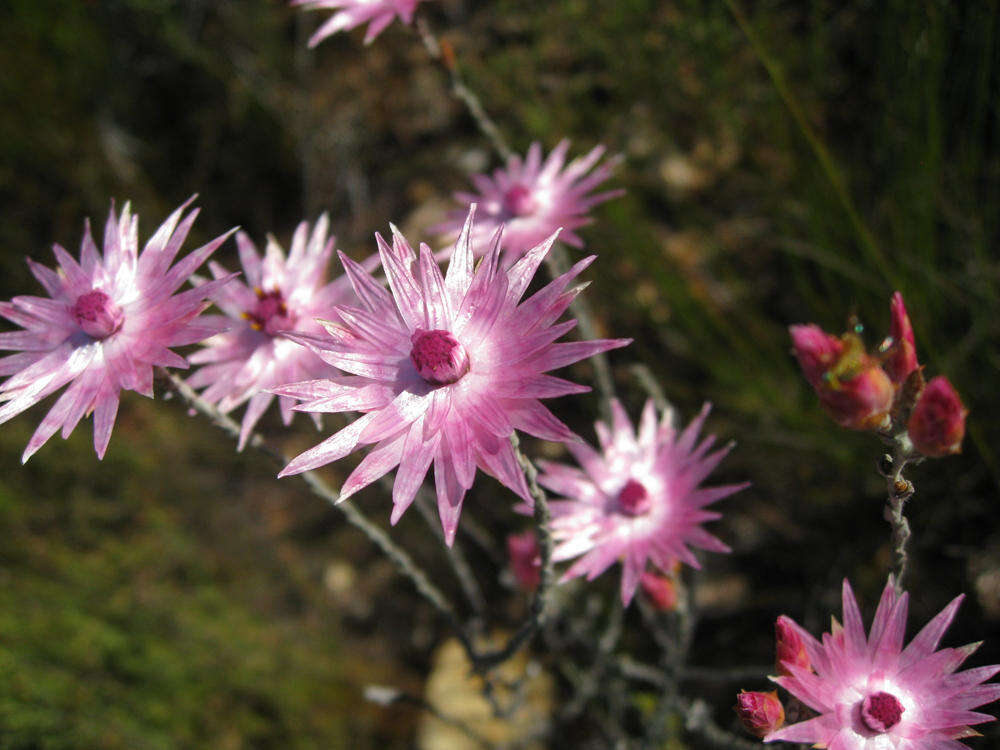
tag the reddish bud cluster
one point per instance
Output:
(863, 391)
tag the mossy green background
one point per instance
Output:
(174, 595)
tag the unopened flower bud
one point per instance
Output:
(789, 646)
(860, 401)
(660, 589)
(902, 358)
(816, 350)
(937, 423)
(525, 563)
(852, 387)
(760, 713)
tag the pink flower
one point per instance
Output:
(937, 423)
(280, 295)
(108, 320)
(637, 501)
(444, 369)
(525, 562)
(760, 713)
(855, 391)
(902, 357)
(532, 199)
(872, 694)
(352, 13)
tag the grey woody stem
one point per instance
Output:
(899, 490)
(537, 612)
(442, 54)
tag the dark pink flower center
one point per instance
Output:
(438, 356)
(518, 201)
(633, 499)
(271, 314)
(881, 712)
(97, 314)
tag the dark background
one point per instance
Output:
(175, 595)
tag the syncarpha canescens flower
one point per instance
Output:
(937, 423)
(280, 294)
(638, 500)
(445, 368)
(853, 388)
(351, 13)
(532, 199)
(873, 694)
(108, 320)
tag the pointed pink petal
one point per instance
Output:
(381, 460)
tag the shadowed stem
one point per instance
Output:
(459, 562)
(444, 55)
(537, 612)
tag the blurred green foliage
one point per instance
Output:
(125, 621)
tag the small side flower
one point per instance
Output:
(532, 198)
(108, 320)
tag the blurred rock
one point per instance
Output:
(455, 692)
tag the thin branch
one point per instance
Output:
(651, 385)
(442, 53)
(456, 557)
(537, 612)
(673, 633)
(591, 681)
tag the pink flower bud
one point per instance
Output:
(816, 350)
(789, 646)
(760, 713)
(860, 402)
(937, 424)
(525, 563)
(902, 359)
(851, 386)
(660, 589)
